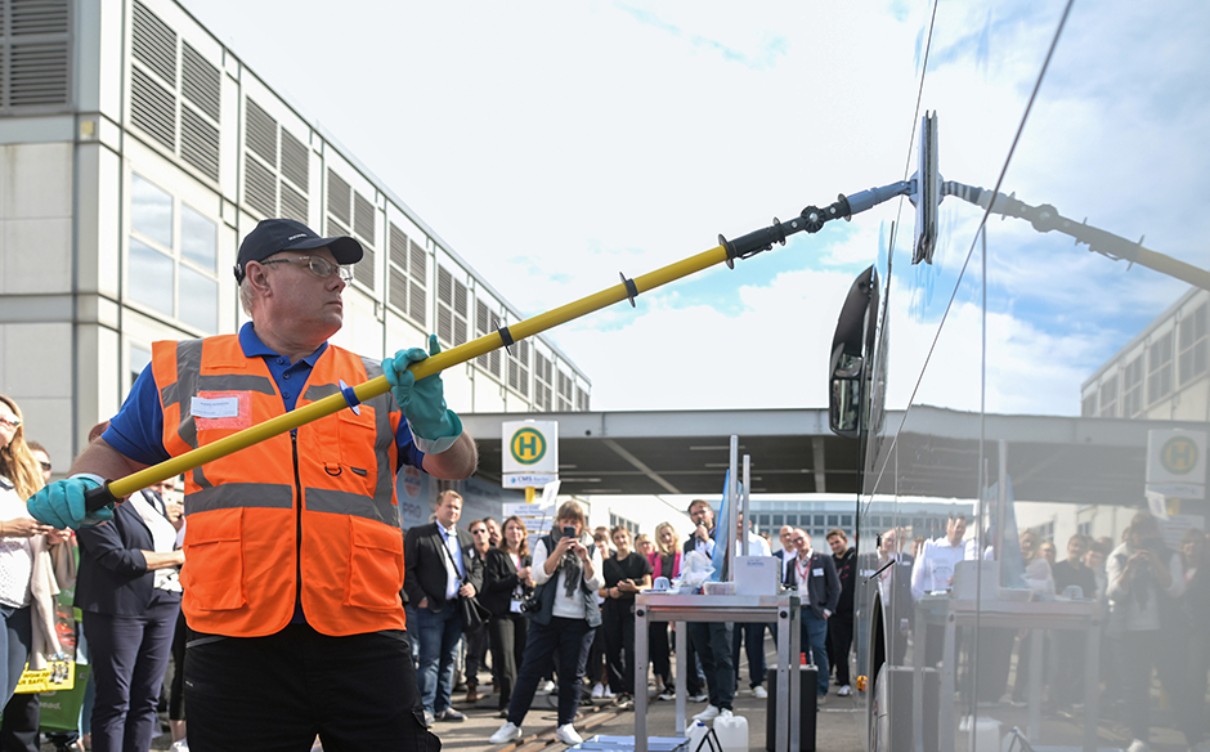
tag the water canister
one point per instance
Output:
(696, 735)
(732, 733)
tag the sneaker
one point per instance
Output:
(451, 715)
(699, 697)
(546, 687)
(709, 714)
(472, 695)
(429, 719)
(667, 694)
(845, 690)
(725, 713)
(623, 702)
(598, 691)
(509, 732)
(759, 692)
(607, 693)
(568, 735)
(180, 745)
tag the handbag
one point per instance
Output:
(474, 614)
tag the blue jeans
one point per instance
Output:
(436, 638)
(14, 645)
(815, 639)
(562, 645)
(712, 640)
(753, 636)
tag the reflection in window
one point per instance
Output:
(198, 296)
(139, 359)
(150, 211)
(1159, 368)
(1193, 345)
(1132, 387)
(150, 277)
(199, 239)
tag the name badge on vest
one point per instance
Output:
(221, 410)
(817, 572)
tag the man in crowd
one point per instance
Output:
(752, 634)
(710, 640)
(813, 573)
(840, 626)
(442, 567)
(295, 558)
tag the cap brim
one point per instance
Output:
(346, 250)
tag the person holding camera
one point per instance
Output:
(567, 571)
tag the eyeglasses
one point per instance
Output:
(13, 423)
(317, 265)
(797, 540)
(478, 532)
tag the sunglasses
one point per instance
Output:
(45, 466)
(13, 423)
(478, 532)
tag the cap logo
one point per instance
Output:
(296, 237)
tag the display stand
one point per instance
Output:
(782, 609)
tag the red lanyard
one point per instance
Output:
(802, 571)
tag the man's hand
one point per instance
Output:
(701, 533)
(61, 504)
(434, 426)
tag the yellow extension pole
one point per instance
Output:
(123, 487)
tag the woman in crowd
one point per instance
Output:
(507, 579)
(567, 569)
(626, 573)
(1145, 579)
(131, 597)
(595, 668)
(28, 580)
(477, 640)
(665, 561)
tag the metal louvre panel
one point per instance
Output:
(417, 303)
(338, 198)
(38, 74)
(199, 142)
(363, 219)
(418, 262)
(336, 228)
(363, 271)
(260, 133)
(397, 289)
(445, 325)
(152, 108)
(154, 43)
(295, 162)
(37, 17)
(201, 83)
(397, 246)
(518, 367)
(260, 187)
(294, 205)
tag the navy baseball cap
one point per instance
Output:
(272, 236)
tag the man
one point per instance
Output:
(840, 626)
(442, 567)
(494, 534)
(814, 575)
(476, 641)
(1071, 572)
(751, 634)
(710, 640)
(295, 555)
(933, 571)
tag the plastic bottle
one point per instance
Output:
(696, 735)
(732, 733)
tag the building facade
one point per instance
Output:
(136, 150)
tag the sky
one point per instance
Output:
(553, 145)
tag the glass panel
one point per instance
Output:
(199, 239)
(150, 211)
(199, 300)
(150, 277)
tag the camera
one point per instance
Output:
(569, 531)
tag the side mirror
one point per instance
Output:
(927, 193)
(849, 371)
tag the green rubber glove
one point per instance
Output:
(434, 427)
(61, 504)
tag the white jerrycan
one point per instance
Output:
(696, 735)
(732, 733)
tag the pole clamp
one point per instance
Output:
(350, 397)
(632, 290)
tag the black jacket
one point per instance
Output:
(823, 586)
(425, 574)
(113, 577)
(499, 581)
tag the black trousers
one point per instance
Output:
(563, 645)
(275, 693)
(507, 636)
(618, 624)
(840, 642)
(20, 731)
(660, 651)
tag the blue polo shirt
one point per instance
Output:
(137, 431)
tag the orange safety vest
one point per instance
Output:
(319, 505)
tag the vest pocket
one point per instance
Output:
(215, 548)
(375, 565)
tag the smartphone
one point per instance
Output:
(569, 531)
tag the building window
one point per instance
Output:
(177, 278)
(518, 368)
(406, 276)
(1109, 397)
(1192, 334)
(1159, 368)
(564, 392)
(452, 304)
(543, 387)
(1132, 387)
(487, 322)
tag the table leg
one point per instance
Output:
(640, 679)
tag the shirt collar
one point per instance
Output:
(253, 346)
